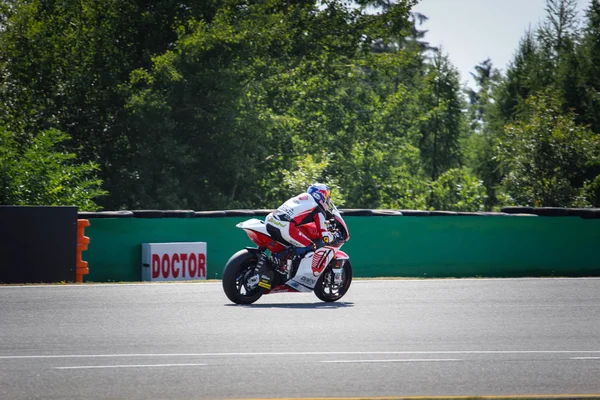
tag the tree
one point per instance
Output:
(559, 27)
(486, 78)
(589, 56)
(64, 65)
(42, 174)
(241, 100)
(227, 104)
(525, 76)
(479, 147)
(547, 156)
(443, 122)
(458, 189)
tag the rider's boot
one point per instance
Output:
(302, 251)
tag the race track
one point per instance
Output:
(385, 338)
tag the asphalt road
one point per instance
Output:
(385, 338)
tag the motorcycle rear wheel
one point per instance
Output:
(235, 279)
(327, 290)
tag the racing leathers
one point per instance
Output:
(299, 210)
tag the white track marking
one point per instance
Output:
(301, 353)
(406, 360)
(585, 358)
(131, 366)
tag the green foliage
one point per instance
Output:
(485, 123)
(458, 189)
(589, 69)
(257, 91)
(556, 63)
(228, 103)
(558, 28)
(307, 171)
(481, 157)
(39, 173)
(546, 156)
(395, 179)
(443, 122)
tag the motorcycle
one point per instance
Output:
(274, 267)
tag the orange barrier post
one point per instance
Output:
(82, 244)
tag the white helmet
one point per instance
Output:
(322, 195)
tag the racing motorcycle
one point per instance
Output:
(274, 266)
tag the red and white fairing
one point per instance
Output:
(310, 269)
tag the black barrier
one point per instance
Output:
(239, 213)
(179, 214)
(210, 214)
(550, 211)
(148, 213)
(587, 213)
(443, 213)
(517, 210)
(38, 244)
(105, 214)
(356, 212)
(262, 212)
(415, 213)
(386, 213)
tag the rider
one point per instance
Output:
(311, 206)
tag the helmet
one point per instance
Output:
(322, 195)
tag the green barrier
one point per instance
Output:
(115, 250)
(399, 246)
(511, 246)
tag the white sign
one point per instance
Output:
(173, 261)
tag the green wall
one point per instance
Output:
(433, 246)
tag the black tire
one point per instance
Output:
(235, 274)
(327, 291)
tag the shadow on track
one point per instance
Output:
(320, 304)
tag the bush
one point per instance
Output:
(38, 173)
(458, 190)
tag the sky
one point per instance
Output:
(470, 31)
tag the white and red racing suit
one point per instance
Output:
(298, 210)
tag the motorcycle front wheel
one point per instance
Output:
(327, 290)
(240, 280)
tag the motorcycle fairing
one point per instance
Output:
(310, 268)
(255, 225)
(340, 255)
(294, 284)
(257, 232)
(282, 289)
(338, 217)
(321, 259)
